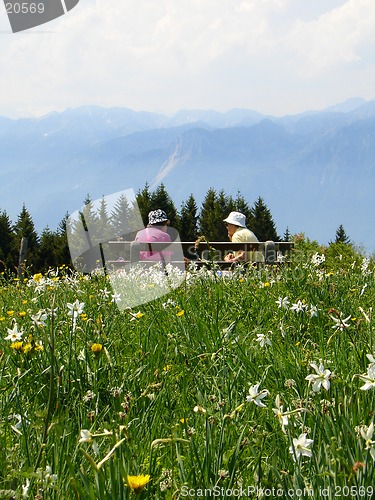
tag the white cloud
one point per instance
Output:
(272, 55)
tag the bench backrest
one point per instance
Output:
(212, 251)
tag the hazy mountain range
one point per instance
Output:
(314, 170)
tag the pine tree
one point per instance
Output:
(8, 257)
(144, 203)
(24, 228)
(262, 223)
(240, 205)
(120, 217)
(189, 220)
(48, 250)
(160, 199)
(63, 252)
(286, 236)
(215, 208)
(341, 236)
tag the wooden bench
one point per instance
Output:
(202, 254)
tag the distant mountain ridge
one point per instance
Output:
(314, 170)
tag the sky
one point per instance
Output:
(277, 57)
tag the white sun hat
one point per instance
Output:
(237, 219)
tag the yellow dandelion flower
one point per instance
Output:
(27, 348)
(37, 277)
(167, 368)
(137, 483)
(96, 348)
(181, 313)
(38, 347)
(22, 314)
(267, 283)
(84, 317)
(2, 318)
(183, 420)
(17, 346)
(24, 302)
(10, 313)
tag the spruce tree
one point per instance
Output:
(341, 236)
(24, 228)
(189, 220)
(63, 252)
(262, 222)
(144, 203)
(215, 208)
(160, 199)
(48, 250)
(8, 256)
(286, 236)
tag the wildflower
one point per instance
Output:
(137, 483)
(116, 297)
(298, 307)
(86, 436)
(75, 308)
(318, 259)
(38, 277)
(369, 378)
(21, 314)
(181, 313)
(40, 318)
(255, 396)
(88, 396)
(340, 323)
(96, 348)
(263, 339)
(13, 334)
(283, 303)
(320, 378)
(301, 447)
(367, 436)
(136, 316)
(17, 346)
(199, 409)
(25, 488)
(313, 311)
(278, 411)
(27, 348)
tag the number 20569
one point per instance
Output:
(24, 8)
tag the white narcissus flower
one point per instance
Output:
(320, 378)
(86, 436)
(301, 447)
(368, 378)
(367, 436)
(282, 302)
(263, 339)
(299, 306)
(13, 334)
(278, 411)
(340, 322)
(75, 308)
(255, 396)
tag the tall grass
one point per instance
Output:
(91, 395)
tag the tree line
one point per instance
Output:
(50, 248)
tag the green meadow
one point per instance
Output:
(259, 383)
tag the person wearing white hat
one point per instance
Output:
(238, 232)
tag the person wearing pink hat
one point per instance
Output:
(238, 232)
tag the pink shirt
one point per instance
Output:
(149, 235)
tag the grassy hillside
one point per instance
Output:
(258, 381)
